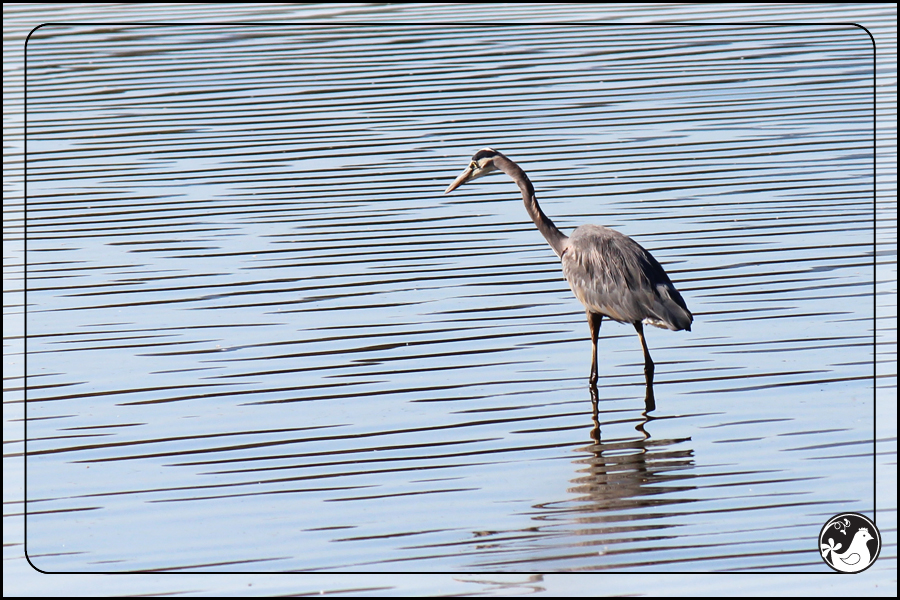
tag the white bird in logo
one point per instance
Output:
(855, 558)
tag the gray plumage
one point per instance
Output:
(610, 274)
(613, 275)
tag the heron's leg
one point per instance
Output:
(594, 320)
(649, 399)
(648, 362)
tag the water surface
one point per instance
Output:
(261, 339)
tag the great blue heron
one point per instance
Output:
(610, 273)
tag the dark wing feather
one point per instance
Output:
(613, 275)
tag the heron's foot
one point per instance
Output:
(595, 413)
(649, 399)
(649, 368)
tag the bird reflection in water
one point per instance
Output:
(626, 473)
(611, 274)
(649, 406)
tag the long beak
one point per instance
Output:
(466, 176)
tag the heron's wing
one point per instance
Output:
(613, 275)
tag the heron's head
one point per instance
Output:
(481, 164)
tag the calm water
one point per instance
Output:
(260, 339)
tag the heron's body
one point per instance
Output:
(610, 274)
(614, 276)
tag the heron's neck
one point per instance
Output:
(551, 232)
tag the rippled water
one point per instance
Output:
(260, 338)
